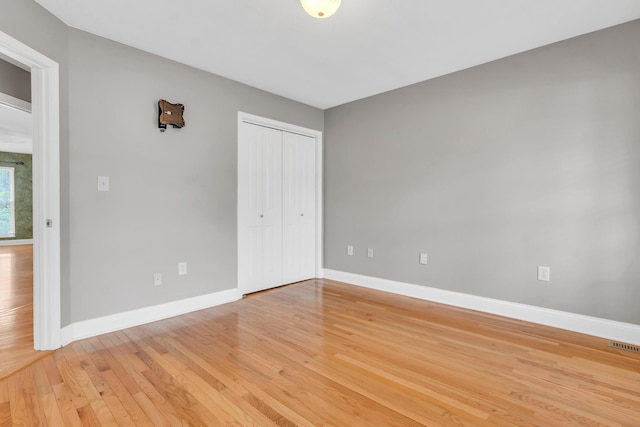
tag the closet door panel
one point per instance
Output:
(249, 208)
(298, 183)
(253, 263)
(307, 161)
(272, 208)
(259, 207)
(291, 187)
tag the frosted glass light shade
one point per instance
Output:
(320, 8)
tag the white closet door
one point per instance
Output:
(259, 208)
(272, 208)
(299, 207)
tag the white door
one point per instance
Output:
(259, 208)
(276, 207)
(299, 207)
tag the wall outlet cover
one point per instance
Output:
(182, 268)
(423, 258)
(544, 273)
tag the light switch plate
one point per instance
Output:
(103, 183)
(370, 252)
(350, 250)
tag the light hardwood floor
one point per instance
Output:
(16, 309)
(325, 353)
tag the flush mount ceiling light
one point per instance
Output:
(320, 8)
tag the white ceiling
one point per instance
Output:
(367, 47)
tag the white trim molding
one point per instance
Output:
(14, 102)
(603, 328)
(16, 242)
(115, 322)
(45, 109)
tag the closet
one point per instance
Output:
(276, 207)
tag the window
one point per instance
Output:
(7, 203)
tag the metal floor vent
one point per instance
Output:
(626, 347)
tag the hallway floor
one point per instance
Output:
(16, 309)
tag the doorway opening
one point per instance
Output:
(46, 188)
(16, 220)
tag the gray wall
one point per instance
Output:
(530, 160)
(525, 161)
(173, 194)
(31, 24)
(15, 81)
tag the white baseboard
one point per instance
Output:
(115, 322)
(16, 242)
(66, 335)
(609, 329)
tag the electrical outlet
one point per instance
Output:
(423, 258)
(544, 273)
(157, 279)
(182, 268)
(370, 252)
(350, 250)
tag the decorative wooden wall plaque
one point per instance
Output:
(170, 114)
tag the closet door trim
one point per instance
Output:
(287, 127)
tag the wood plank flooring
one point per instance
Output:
(16, 309)
(325, 353)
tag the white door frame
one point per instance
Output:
(45, 111)
(275, 124)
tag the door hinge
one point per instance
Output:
(49, 223)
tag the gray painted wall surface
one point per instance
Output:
(15, 81)
(530, 160)
(32, 25)
(525, 161)
(173, 194)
